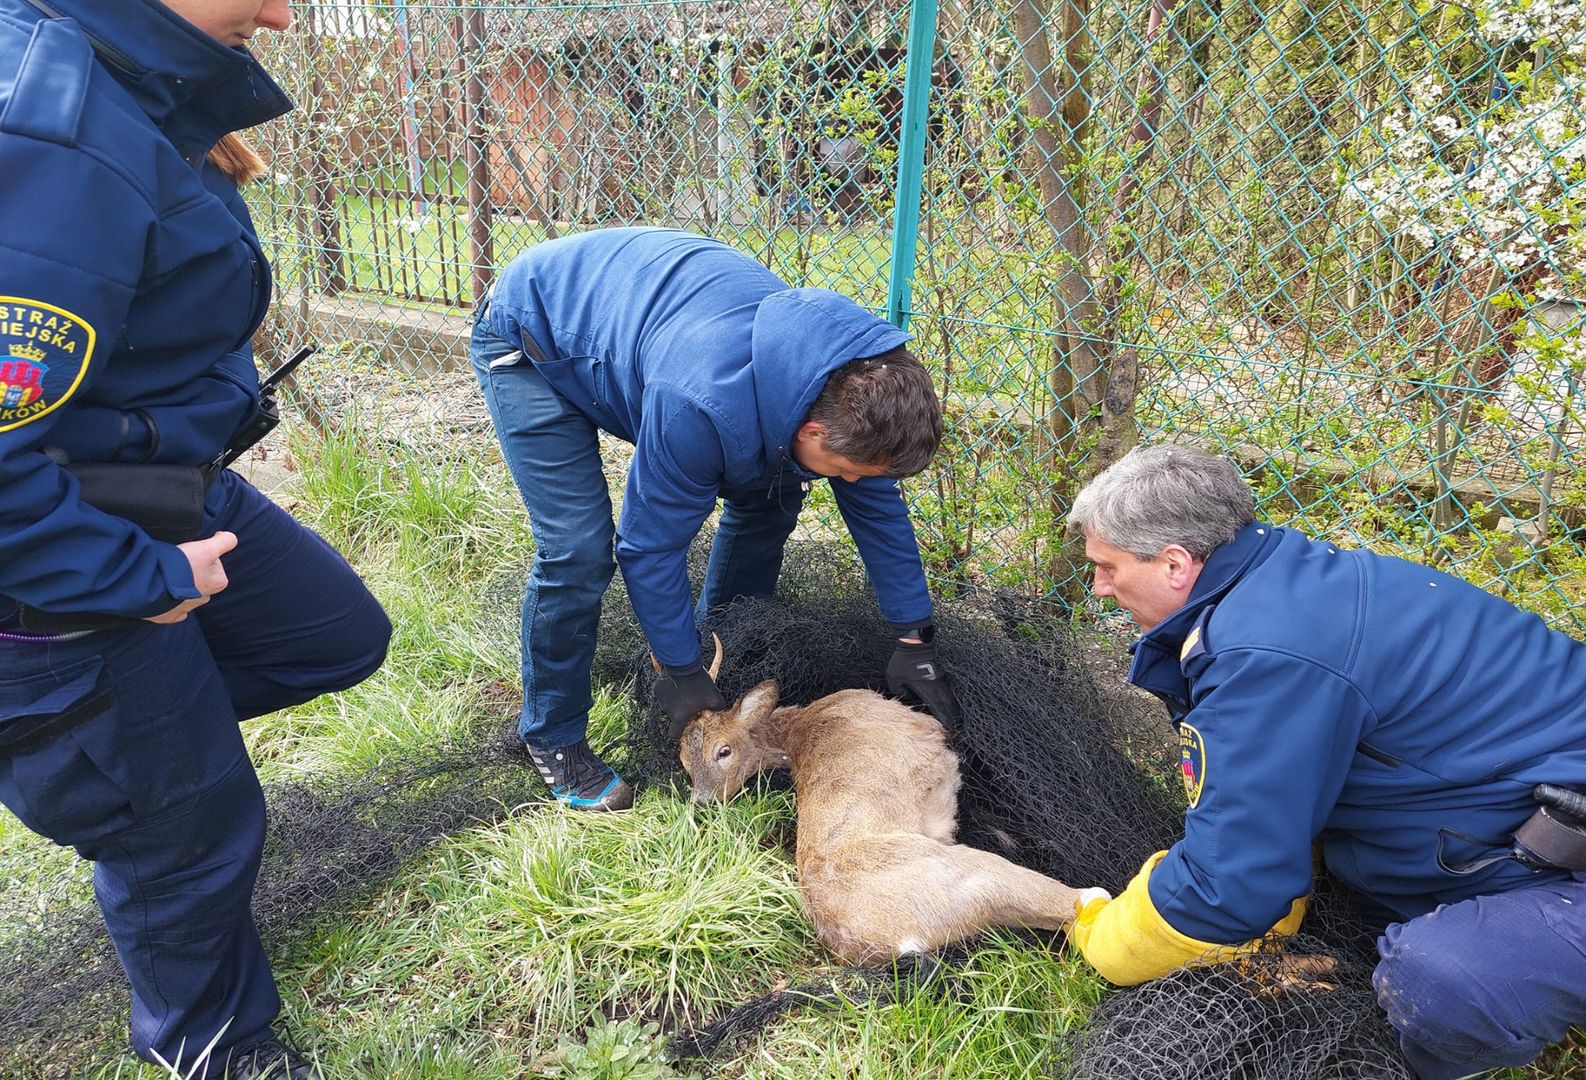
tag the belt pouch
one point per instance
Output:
(165, 501)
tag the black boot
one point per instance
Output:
(579, 779)
(271, 1059)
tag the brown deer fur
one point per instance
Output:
(877, 790)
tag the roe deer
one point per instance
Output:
(877, 791)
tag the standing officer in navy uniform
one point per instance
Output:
(131, 643)
(1430, 736)
(729, 385)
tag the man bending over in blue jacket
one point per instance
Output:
(730, 386)
(1410, 724)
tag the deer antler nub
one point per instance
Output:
(715, 663)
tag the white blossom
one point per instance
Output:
(1559, 22)
(1506, 188)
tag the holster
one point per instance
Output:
(1554, 838)
(165, 501)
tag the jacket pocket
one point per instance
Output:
(1381, 757)
(1460, 853)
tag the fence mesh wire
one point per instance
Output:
(1343, 240)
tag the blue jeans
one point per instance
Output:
(124, 744)
(1488, 982)
(553, 452)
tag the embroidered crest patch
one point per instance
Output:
(1192, 755)
(44, 353)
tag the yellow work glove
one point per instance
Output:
(1128, 942)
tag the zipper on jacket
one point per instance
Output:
(253, 289)
(781, 466)
(1379, 756)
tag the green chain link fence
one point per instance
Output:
(1344, 242)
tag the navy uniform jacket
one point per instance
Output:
(707, 363)
(130, 283)
(1399, 714)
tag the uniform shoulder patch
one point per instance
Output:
(1192, 756)
(44, 354)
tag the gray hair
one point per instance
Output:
(1154, 496)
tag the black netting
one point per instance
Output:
(911, 974)
(1055, 776)
(1300, 1012)
(333, 842)
(1072, 781)
(1059, 775)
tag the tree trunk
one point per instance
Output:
(1058, 123)
(1119, 433)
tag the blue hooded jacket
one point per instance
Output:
(707, 363)
(130, 283)
(1399, 714)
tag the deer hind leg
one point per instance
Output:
(917, 895)
(977, 890)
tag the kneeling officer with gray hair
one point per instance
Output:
(1429, 736)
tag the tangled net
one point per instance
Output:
(1059, 775)
(333, 842)
(1303, 1011)
(1072, 781)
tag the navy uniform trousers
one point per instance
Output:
(124, 744)
(1488, 982)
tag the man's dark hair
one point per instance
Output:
(881, 410)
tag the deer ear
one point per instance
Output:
(759, 701)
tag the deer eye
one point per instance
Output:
(723, 752)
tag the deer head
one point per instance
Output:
(720, 751)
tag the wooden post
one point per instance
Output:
(329, 255)
(476, 155)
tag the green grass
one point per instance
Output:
(507, 939)
(499, 949)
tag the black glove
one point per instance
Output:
(683, 695)
(914, 676)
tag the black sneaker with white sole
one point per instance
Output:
(579, 779)
(271, 1059)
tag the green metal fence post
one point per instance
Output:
(918, 61)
